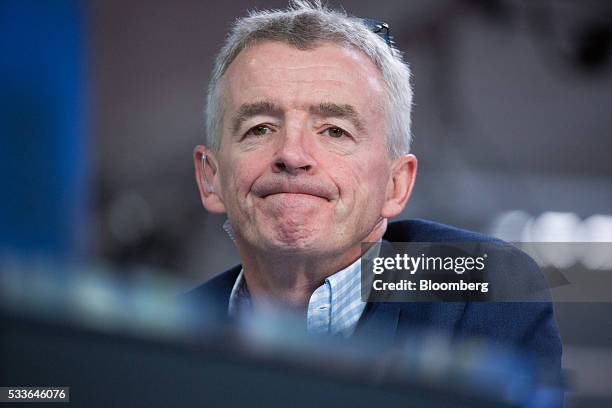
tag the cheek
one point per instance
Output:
(372, 175)
(241, 172)
(243, 176)
(378, 178)
(362, 182)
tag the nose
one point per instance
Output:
(293, 155)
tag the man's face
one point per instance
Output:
(303, 165)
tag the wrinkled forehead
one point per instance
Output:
(328, 72)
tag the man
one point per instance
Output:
(308, 121)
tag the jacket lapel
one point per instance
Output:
(379, 323)
(379, 320)
(386, 321)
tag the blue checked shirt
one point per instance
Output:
(334, 307)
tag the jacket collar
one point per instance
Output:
(379, 321)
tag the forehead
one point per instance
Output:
(293, 77)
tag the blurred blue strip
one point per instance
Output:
(42, 127)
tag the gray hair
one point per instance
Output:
(305, 25)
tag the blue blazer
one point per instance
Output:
(527, 326)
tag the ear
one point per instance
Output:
(399, 187)
(207, 177)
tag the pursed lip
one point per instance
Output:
(299, 193)
(305, 187)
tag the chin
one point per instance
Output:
(294, 239)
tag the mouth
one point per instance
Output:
(293, 190)
(295, 193)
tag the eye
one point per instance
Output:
(335, 132)
(258, 130)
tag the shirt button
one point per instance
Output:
(322, 307)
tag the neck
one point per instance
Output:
(288, 280)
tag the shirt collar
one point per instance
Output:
(240, 298)
(342, 290)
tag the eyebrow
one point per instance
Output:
(332, 110)
(324, 109)
(248, 110)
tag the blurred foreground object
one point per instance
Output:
(128, 343)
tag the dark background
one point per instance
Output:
(513, 106)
